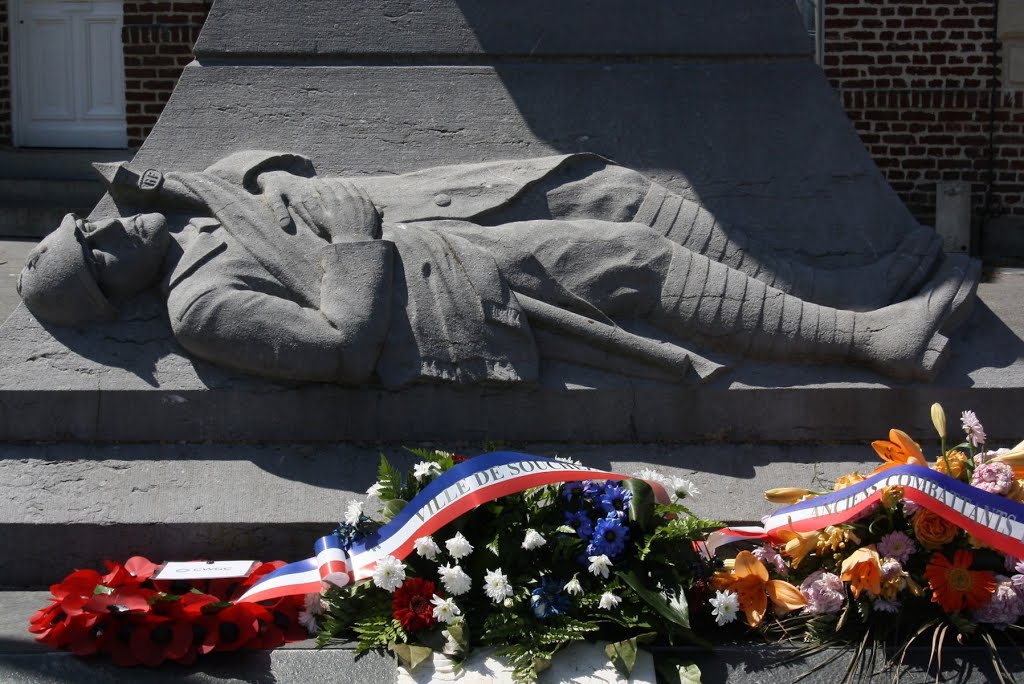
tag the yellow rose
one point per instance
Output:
(933, 531)
(957, 464)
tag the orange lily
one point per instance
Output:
(863, 570)
(749, 579)
(798, 544)
(898, 450)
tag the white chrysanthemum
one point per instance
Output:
(459, 546)
(425, 469)
(374, 490)
(573, 587)
(609, 600)
(570, 461)
(445, 609)
(599, 565)
(726, 604)
(354, 512)
(389, 573)
(426, 547)
(533, 540)
(455, 580)
(313, 607)
(496, 586)
(683, 488)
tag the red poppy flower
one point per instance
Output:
(126, 599)
(76, 590)
(116, 639)
(84, 633)
(229, 629)
(44, 618)
(459, 458)
(280, 623)
(954, 586)
(141, 568)
(158, 638)
(411, 604)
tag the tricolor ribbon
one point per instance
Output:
(453, 493)
(994, 519)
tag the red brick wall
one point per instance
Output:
(915, 77)
(158, 39)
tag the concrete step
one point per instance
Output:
(37, 187)
(23, 661)
(270, 502)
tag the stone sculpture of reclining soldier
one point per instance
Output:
(288, 275)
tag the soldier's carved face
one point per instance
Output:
(126, 252)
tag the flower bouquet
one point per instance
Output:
(522, 553)
(912, 549)
(135, 619)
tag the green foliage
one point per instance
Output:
(390, 480)
(378, 633)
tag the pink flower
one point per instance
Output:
(769, 556)
(896, 545)
(1006, 605)
(993, 477)
(824, 592)
(972, 426)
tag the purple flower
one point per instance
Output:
(896, 545)
(824, 592)
(769, 556)
(887, 606)
(972, 426)
(1006, 605)
(993, 477)
(891, 569)
(911, 508)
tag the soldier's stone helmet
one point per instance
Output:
(58, 283)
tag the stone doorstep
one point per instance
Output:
(66, 506)
(23, 661)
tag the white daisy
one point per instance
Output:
(425, 469)
(459, 546)
(374, 490)
(445, 609)
(726, 604)
(389, 573)
(426, 547)
(574, 587)
(533, 540)
(609, 600)
(599, 565)
(456, 582)
(496, 586)
(354, 512)
(683, 488)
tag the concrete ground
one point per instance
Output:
(13, 253)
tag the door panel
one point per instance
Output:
(68, 73)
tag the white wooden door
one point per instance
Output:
(67, 73)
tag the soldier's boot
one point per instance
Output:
(890, 278)
(726, 309)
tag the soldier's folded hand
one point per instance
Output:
(338, 211)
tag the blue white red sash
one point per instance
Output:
(995, 520)
(453, 493)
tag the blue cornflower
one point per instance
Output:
(346, 534)
(572, 489)
(615, 499)
(580, 521)
(548, 599)
(610, 537)
(593, 490)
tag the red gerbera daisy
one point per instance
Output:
(954, 586)
(411, 604)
